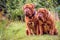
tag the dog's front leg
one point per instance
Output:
(28, 31)
(41, 31)
(37, 30)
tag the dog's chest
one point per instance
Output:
(30, 24)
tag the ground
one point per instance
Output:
(16, 31)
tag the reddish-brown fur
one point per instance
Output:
(46, 21)
(31, 22)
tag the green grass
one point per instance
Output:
(16, 31)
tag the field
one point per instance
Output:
(12, 15)
(16, 31)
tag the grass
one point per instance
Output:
(16, 31)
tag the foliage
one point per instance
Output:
(58, 10)
(15, 6)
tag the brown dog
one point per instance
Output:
(30, 19)
(46, 21)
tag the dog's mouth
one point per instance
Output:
(40, 19)
(29, 15)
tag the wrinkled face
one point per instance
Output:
(41, 17)
(29, 12)
(42, 14)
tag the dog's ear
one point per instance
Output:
(46, 10)
(33, 6)
(28, 6)
(24, 7)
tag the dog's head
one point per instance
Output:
(42, 14)
(29, 10)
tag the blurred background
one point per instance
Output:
(12, 24)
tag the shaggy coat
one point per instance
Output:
(47, 22)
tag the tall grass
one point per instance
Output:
(16, 31)
(2, 28)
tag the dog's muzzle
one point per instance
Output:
(40, 18)
(28, 15)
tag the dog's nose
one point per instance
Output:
(30, 17)
(31, 23)
(40, 18)
(40, 14)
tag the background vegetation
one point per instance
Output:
(14, 11)
(13, 27)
